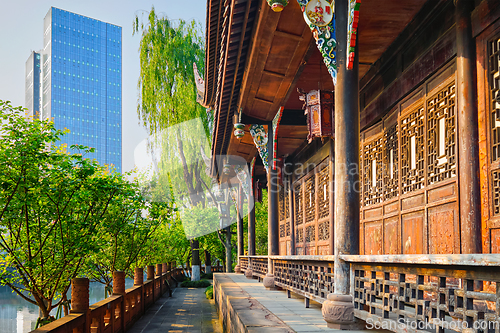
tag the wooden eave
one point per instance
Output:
(282, 56)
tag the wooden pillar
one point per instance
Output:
(272, 195)
(228, 247)
(467, 133)
(338, 310)
(272, 210)
(239, 228)
(291, 205)
(195, 262)
(251, 222)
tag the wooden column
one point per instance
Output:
(291, 205)
(251, 222)
(272, 195)
(338, 310)
(467, 133)
(272, 211)
(241, 242)
(346, 155)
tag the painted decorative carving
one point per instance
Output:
(352, 30)
(276, 123)
(320, 16)
(259, 135)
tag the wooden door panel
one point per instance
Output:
(495, 240)
(442, 225)
(373, 237)
(391, 236)
(413, 233)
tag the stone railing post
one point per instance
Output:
(158, 275)
(249, 271)
(119, 289)
(150, 272)
(138, 276)
(139, 281)
(80, 299)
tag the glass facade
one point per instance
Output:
(81, 82)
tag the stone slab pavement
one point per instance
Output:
(188, 310)
(291, 311)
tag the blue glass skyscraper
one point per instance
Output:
(80, 80)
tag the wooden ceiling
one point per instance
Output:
(283, 57)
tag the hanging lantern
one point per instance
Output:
(318, 106)
(277, 5)
(226, 169)
(239, 131)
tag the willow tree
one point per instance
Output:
(167, 102)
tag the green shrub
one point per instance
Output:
(195, 284)
(209, 276)
(209, 292)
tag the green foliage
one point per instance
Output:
(209, 292)
(195, 284)
(51, 207)
(209, 276)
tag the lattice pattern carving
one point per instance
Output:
(309, 279)
(299, 236)
(441, 161)
(324, 231)
(391, 165)
(287, 228)
(494, 54)
(495, 175)
(259, 266)
(412, 150)
(323, 192)
(411, 295)
(310, 233)
(243, 263)
(310, 200)
(372, 175)
(287, 202)
(281, 203)
(299, 216)
(282, 231)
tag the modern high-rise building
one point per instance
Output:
(79, 82)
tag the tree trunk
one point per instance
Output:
(195, 267)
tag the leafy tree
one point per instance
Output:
(51, 205)
(168, 109)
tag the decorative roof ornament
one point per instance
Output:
(277, 5)
(259, 135)
(352, 30)
(320, 17)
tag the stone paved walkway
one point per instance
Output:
(291, 311)
(187, 310)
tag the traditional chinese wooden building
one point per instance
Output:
(399, 206)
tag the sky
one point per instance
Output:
(21, 31)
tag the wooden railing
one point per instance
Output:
(116, 313)
(258, 264)
(399, 292)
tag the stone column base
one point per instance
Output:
(196, 272)
(237, 269)
(338, 312)
(269, 281)
(249, 273)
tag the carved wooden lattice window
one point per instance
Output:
(281, 203)
(287, 201)
(494, 55)
(287, 228)
(391, 182)
(324, 231)
(299, 237)
(299, 217)
(412, 150)
(441, 160)
(310, 233)
(282, 231)
(323, 192)
(310, 201)
(496, 191)
(372, 163)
